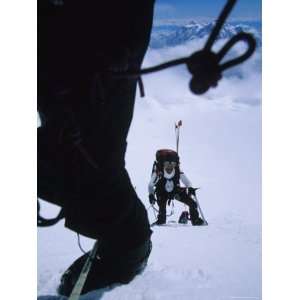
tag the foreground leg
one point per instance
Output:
(77, 94)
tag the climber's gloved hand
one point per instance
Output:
(152, 199)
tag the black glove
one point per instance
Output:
(152, 199)
(191, 191)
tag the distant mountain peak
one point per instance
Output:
(170, 36)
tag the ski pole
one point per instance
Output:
(77, 289)
(153, 209)
(200, 210)
(177, 129)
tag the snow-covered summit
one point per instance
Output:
(169, 35)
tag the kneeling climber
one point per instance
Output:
(165, 186)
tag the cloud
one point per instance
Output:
(240, 86)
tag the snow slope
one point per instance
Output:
(220, 151)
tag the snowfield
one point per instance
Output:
(220, 151)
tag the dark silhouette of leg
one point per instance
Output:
(162, 214)
(194, 214)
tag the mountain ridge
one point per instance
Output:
(172, 34)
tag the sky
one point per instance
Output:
(207, 9)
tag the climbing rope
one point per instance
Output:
(156, 210)
(43, 222)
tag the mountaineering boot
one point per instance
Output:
(184, 217)
(110, 267)
(195, 219)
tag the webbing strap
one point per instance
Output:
(76, 292)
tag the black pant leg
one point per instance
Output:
(162, 204)
(99, 203)
(186, 199)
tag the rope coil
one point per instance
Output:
(43, 222)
